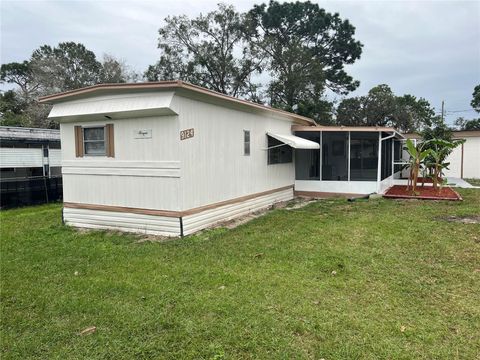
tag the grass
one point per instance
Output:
(474, 182)
(378, 279)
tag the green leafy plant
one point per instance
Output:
(416, 162)
(435, 162)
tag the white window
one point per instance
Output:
(94, 141)
(246, 142)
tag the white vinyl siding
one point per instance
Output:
(55, 157)
(21, 157)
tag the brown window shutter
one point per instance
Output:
(110, 145)
(78, 141)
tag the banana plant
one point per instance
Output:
(416, 163)
(435, 162)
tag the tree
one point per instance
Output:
(467, 125)
(440, 131)
(381, 107)
(476, 98)
(116, 71)
(305, 49)
(204, 52)
(412, 114)
(351, 112)
(435, 162)
(472, 124)
(375, 109)
(20, 74)
(65, 67)
(11, 109)
(416, 162)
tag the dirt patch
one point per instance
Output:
(423, 193)
(468, 219)
(154, 239)
(296, 203)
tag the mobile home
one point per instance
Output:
(30, 164)
(171, 158)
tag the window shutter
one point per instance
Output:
(110, 144)
(78, 141)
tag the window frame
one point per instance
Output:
(277, 147)
(246, 144)
(104, 140)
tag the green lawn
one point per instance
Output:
(474, 182)
(407, 286)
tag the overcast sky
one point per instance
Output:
(429, 49)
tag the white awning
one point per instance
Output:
(295, 141)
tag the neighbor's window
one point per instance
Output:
(94, 141)
(278, 152)
(246, 142)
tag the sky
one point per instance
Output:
(429, 49)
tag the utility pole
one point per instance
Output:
(443, 111)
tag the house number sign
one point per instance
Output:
(186, 134)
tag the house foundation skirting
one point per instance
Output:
(170, 223)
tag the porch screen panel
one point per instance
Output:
(335, 155)
(363, 156)
(397, 154)
(387, 157)
(307, 162)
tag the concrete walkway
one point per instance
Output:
(458, 182)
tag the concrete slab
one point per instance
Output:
(458, 182)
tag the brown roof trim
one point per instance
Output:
(457, 134)
(169, 85)
(343, 128)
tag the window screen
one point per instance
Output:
(246, 142)
(307, 161)
(387, 157)
(363, 156)
(334, 155)
(94, 141)
(278, 152)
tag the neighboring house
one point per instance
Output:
(171, 158)
(29, 152)
(30, 164)
(464, 159)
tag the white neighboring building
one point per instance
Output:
(464, 159)
(29, 152)
(171, 158)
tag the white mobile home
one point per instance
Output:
(29, 152)
(172, 158)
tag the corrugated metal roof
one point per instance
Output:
(22, 133)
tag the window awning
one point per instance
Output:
(295, 141)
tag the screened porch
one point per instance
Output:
(356, 160)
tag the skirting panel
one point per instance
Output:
(207, 218)
(129, 222)
(169, 223)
